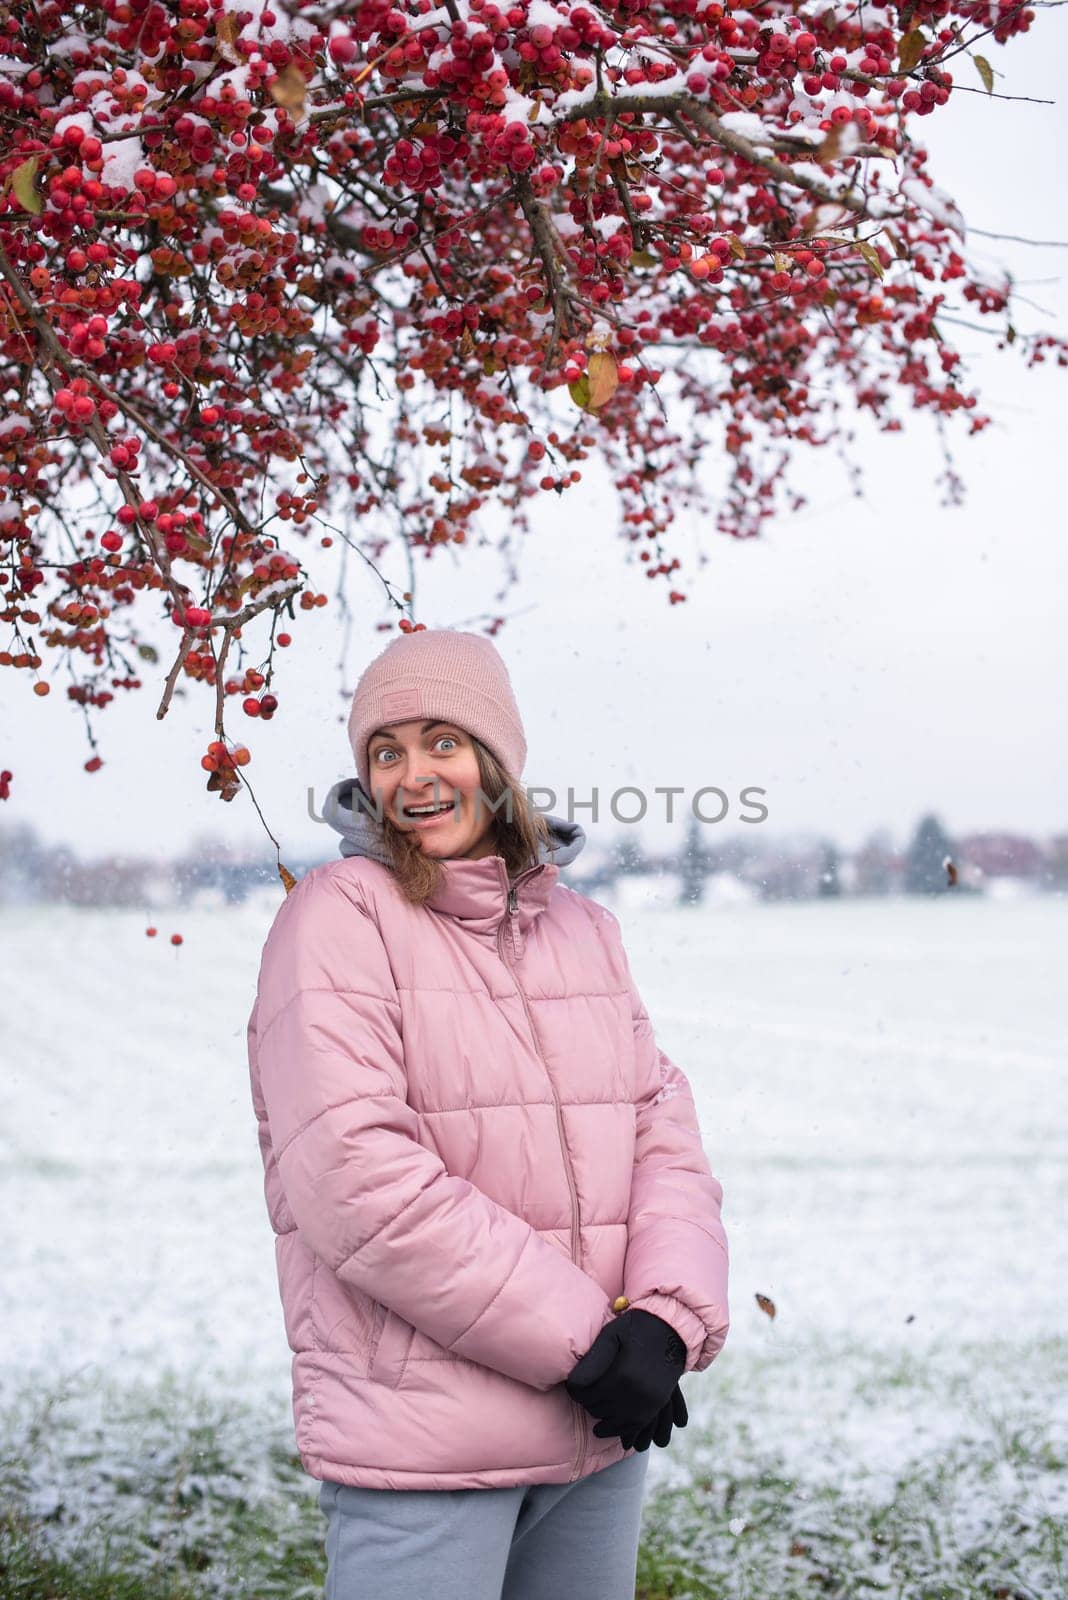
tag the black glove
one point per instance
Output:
(657, 1432)
(629, 1375)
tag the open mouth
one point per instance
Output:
(422, 813)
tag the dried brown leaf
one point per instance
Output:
(870, 254)
(289, 89)
(830, 147)
(910, 48)
(227, 32)
(225, 783)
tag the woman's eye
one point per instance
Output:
(377, 758)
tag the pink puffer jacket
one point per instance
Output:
(472, 1146)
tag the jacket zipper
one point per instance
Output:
(513, 906)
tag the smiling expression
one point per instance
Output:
(421, 763)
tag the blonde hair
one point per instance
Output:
(515, 826)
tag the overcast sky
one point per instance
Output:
(863, 661)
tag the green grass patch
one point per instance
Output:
(167, 1492)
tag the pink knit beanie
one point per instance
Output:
(441, 673)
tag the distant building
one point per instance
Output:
(1056, 873)
(1003, 855)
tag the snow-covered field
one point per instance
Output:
(881, 1086)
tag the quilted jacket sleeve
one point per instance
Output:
(327, 1061)
(677, 1260)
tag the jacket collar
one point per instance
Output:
(476, 893)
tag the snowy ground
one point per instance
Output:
(882, 1090)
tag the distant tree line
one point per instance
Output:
(932, 863)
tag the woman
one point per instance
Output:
(498, 1238)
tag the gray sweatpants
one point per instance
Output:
(539, 1541)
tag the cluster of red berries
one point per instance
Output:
(264, 708)
(220, 758)
(198, 618)
(74, 404)
(421, 168)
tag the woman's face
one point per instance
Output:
(422, 763)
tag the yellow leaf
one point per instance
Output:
(737, 247)
(603, 378)
(986, 72)
(22, 186)
(286, 877)
(467, 343)
(580, 392)
(871, 256)
(643, 258)
(910, 48)
(782, 262)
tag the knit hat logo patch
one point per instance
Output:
(400, 703)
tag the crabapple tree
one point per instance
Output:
(275, 272)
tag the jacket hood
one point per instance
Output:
(360, 835)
